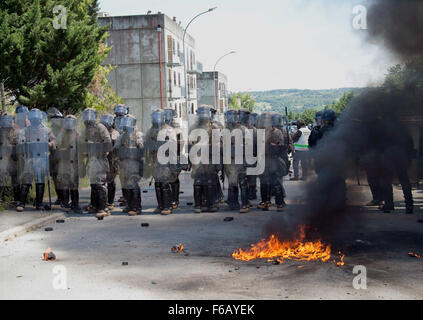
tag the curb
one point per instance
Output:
(29, 226)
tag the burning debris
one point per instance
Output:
(278, 251)
(414, 255)
(49, 255)
(178, 249)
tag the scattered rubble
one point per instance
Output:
(49, 255)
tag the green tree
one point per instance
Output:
(43, 66)
(247, 101)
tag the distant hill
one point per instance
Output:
(298, 100)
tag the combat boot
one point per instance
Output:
(24, 194)
(234, 202)
(134, 202)
(111, 192)
(211, 198)
(263, 193)
(197, 198)
(279, 197)
(74, 194)
(175, 186)
(58, 201)
(65, 199)
(159, 197)
(39, 195)
(167, 199)
(244, 200)
(16, 193)
(409, 209)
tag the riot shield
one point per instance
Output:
(93, 147)
(33, 154)
(66, 154)
(8, 158)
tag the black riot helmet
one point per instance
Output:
(204, 113)
(53, 113)
(36, 117)
(21, 109)
(277, 120)
(265, 120)
(128, 123)
(120, 110)
(252, 119)
(107, 120)
(231, 117)
(157, 117)
(169, 116)
(6, 122)
(329, 115)
(244, 116)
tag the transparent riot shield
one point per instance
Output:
(32, 149)
(66, 154)
(129, 152)
(8, 157)
(93, 148)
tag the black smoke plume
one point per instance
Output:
(370, 129)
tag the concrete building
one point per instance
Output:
(212, 90)
(148, 53)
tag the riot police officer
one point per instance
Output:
(236, 173)
(204, 174)
(170, 116)
(55, 117)
(107, 120)
(8, 158)
(129, 150)
(95, 144)
(67, 158)
(35, 142)
(275, 167)
(301, 155)
(166, 173)
(21, 117)
(315, 134)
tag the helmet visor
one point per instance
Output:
(128, 123)
(89, 115)
(107, 120)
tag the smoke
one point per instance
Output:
(370, 129)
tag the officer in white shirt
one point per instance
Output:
(301, 154)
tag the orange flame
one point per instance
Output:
(297, 249)
(178, 249)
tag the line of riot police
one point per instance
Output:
(72, 148)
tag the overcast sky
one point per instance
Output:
(280, 44)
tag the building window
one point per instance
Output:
(174, 78)
(192, 108)
(179, 79)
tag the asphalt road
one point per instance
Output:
(118, 259)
